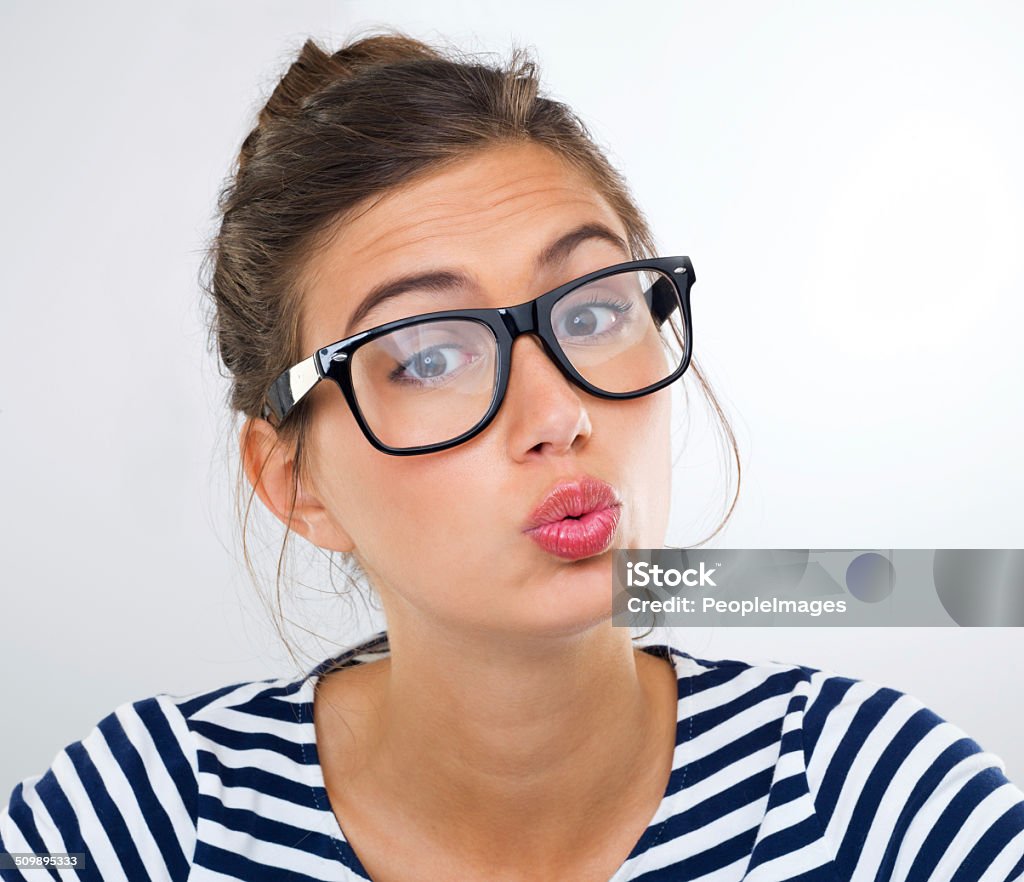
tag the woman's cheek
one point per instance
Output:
(649, 440)
(430, 518)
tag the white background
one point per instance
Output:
(845, 176)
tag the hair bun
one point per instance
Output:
(314, 69)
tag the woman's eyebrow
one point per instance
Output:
(565, 244)
(438, 281)
(444, 281)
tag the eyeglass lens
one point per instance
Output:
(431, 382)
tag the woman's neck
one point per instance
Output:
(529, 742)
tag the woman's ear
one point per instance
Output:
(269, 464)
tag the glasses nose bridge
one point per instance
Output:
(521, 319)
(524, 318)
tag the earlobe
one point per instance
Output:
(269, 464)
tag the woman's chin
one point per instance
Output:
(575, 597)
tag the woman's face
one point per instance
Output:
(441, 535)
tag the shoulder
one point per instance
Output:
(900, 787)
(127, 794)
(894, 790)
(735, 692)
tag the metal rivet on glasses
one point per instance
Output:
(679, 269)
(339, 356)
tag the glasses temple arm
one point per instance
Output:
(663, 300)
(290, 388)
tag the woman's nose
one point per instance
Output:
(544, 413)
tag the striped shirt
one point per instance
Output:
(780, 771)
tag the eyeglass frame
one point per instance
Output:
(506, 323)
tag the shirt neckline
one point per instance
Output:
(377, 646)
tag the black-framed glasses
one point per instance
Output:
(429, 382)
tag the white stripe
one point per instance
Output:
(240, 721)
(728, 732)
(977, 822)
(791, 864)
(869, 751)
(724, 778)
(265, 805)
(749, 680)
(121, 793)
(928, 815)
(164, 785)
(902, 784)
(834, 729)
(731, 873)
(696, 841)
(269, 853)
(1006, 860)
(254, 757)
(93, 832)
(243, 693)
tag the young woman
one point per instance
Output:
(452, 340)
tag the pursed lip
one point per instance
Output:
(573, 499)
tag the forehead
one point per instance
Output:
(488, 216)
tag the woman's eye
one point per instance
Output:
(433, 363)
(591, 319)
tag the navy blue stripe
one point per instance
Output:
(923, 789)
(239, 740)
(791, 742)
(349, 858)
(737, 749)
(263, 828)
(786, 790)
(177, 764)
(277, 692)
(786, 841)
(257, 779)
(706, 811)
(825, 873)
(272, 709)
(66, 821)
(194, 705)
(239, 867)
(712, 678)
(154, 813)
(21, 814)
(109, 814)
(714, 858)
(870, 797)
(868, 716)
(774, 686)
(377, 644)
(993, 841)
(951, 820)
(1017, 872)
(832, 692)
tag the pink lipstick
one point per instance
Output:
(577, 519)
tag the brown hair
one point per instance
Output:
(339, 130)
